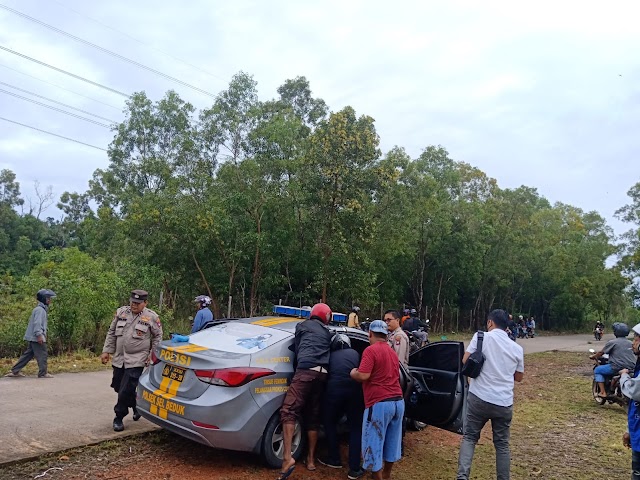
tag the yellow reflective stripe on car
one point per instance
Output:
(270, 322)
(186, 348)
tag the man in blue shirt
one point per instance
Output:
(204, 314)
(631, 388)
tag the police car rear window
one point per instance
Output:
(237, 337)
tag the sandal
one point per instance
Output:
(287, 473)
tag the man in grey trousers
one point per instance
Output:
(490, 395)
(36, 335)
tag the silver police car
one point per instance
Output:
(225, 386)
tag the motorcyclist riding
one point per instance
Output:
(598, 330)
(204, 314)
(621, 356)
(413, 324)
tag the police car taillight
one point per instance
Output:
(232, 377)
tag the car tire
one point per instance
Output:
(416, 425)
(272, 442)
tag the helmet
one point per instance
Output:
(322, 312)
(355, 308)
(203, 300)
(45, 293)
(406, 311)
(620, 329)
(340, 341)
(636, 329)
(413, 311)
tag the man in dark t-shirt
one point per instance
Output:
(343, 396)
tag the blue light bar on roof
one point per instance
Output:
(303, 312)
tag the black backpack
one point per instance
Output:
(473, 365)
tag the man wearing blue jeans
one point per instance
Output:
(379, 373)
(491, 395)
(620, 353)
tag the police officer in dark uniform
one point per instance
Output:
(134, 333)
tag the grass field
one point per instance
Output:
(558, 432)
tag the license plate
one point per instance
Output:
(173, 372)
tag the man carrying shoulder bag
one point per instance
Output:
(490, 395)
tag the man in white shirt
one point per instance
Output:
(490, 395)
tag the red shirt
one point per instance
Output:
(382, 363)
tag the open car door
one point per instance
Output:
(439, 389)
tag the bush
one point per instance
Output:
(87, 296)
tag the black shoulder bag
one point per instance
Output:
(473, 365)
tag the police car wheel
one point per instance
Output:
(273, 442)
(416, 425)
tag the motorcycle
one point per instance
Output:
(597, 333)
(415, 341)
(611, 384)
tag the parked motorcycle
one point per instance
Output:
(611, 384)
(597, 333)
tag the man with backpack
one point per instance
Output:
(491, 394)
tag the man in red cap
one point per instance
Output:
(302, 401)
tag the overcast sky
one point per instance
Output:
(546, 95)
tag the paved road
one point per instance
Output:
(47, 415)
(40, 415)
(566, 343)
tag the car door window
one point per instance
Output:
(439, 388)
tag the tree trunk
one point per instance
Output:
(214, 301)
(256, 270)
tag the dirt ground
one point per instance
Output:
(557, 433)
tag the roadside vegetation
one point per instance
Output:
(255, 202)
(558, 433)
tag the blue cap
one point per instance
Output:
(378, 326)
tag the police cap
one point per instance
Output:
(138, 296)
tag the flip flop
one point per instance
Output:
(311, 469)
(286, 474)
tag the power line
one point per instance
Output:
(54, 134)
(102, 49)
(55, 108)
(138, 40)
(55, 101)
(61, 88)
(65, 72)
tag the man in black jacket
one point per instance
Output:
(304, 396)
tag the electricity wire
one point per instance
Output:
(55, 108)
(61, 88)
(108, 52)
(141, 42)
(65, 72)
(51, 133)
(55, 101)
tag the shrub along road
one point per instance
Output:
(75, 409)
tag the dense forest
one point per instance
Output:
(259, 202)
